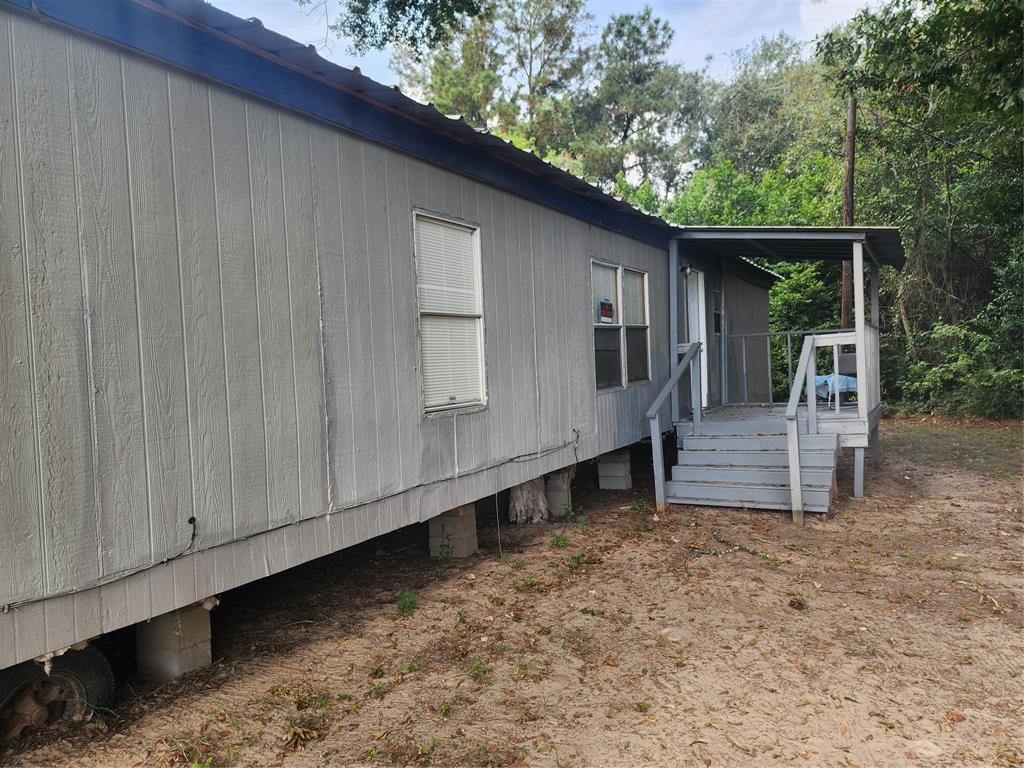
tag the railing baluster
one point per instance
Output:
(659, 463)
(835, 375)
(793, 428)
(696, 394)
(654, 414)
(789, 360)
(771, 381)
(743, 348)
(812, 394)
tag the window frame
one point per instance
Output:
(617, 325)
(621, 326)
(646, 326)
(434, 411)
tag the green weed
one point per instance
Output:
(407, 603)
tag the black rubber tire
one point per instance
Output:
(14, 679)
(85, 677)
(87, 672)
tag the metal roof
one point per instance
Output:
(252, 34)
(883, 244)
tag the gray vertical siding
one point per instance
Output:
(747, 309)
(209, 312)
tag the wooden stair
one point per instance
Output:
(745, 464)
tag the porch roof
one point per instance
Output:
(883, 244)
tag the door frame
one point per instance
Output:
(697, 324)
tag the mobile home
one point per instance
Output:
(258, 308)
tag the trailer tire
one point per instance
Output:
(79, 683)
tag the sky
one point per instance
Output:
(703, 28)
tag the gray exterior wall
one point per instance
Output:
(209, 312)
(747, 312)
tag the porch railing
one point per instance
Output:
(771, 341)
(803, 385)
(690, 361)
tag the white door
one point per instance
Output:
(697, 324)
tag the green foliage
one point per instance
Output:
(420, 25)
(642, 112)
(477, 669)
(640, 195)
(407, 603)
(958, 376)
(559, 540)
(939, 84)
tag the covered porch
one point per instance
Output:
(783, 399)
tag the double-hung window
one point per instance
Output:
(607, 325)
(634, 318)
(621, 325)
(449, 296)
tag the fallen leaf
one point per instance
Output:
(955, 717)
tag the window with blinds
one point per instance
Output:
(621, 325)
(604, 288)
(634, 318)
(449, 295)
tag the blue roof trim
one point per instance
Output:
(153, 33)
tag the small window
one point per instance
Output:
(607, 326)
(621, 326)
(717, 311)
(451, 323)
(634, 316)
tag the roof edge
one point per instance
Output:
(218, 46)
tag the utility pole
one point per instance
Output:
(846, 302)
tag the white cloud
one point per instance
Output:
(818, 16)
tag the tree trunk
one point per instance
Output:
(528, 503)
(846, 300)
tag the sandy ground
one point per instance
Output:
(888, 634)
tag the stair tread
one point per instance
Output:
(762, 485)
(738, 504)
(808, 450)
(809, 467)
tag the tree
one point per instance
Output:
(774, 104)
(419, 26)
(545, 56)
(464, 76)
(641, 114)
(510, 69)
(940, 154)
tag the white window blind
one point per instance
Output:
(450, 299)
(604, 288)
(633, 310)
(634, 318)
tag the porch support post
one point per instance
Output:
(673, 319)
(723, 346)
(875, 274)
(858, 472)
(858, 323)
(875, 321)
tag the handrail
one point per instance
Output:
(793, 426)
(811, 332)
(654, 414)
(846, 335)
(677, 374)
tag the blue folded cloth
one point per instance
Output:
(826, 386)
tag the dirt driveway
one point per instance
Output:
(887, 635)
